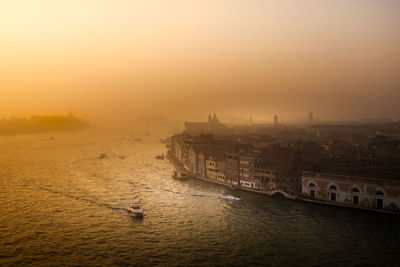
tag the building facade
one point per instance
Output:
(246, 171)
(361, 192)
(232, 168)
(211, 126)
(215, 169)
(201, 165)
(264, 179)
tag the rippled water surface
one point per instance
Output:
(63, 205)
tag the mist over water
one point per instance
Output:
(63, 205)
(144, 67)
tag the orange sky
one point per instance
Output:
(186, 58)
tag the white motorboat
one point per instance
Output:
(136, 210)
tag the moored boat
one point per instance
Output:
(180, 175)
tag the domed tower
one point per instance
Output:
(215, 120)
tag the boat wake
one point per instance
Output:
(199, 194)
(230, 197)
(78, 198)
(130, 214)
(226, 197)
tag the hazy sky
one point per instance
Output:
(339, 58)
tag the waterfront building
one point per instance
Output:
(246, 170)
(277, 161)
(211, 126)
(191, 163)
(282, 163)
(232, 168)
(209, 152)
(265, 179)
(288, 182)
(177, 147)
(201, 165)
(371, 193)
(215, 169)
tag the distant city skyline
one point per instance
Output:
(125, 59)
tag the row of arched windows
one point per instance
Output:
(353, 190)
(355, 197)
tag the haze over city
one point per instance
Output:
(199, 133)
(105, 60)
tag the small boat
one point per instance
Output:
(160, 156)
(136, 210)
(180, 175)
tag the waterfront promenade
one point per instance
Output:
(299, 197)
(235, 187)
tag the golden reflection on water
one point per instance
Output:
(61, 203)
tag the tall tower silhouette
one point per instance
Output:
(310, 118)
(276, 119)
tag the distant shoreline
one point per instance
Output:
(41, 132)
(42, 124)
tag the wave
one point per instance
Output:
(172, 191)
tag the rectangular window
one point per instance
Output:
(312, 193)
(333, 196)
(355, 199)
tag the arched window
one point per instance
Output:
(332, 187)
(379, 193)
(355, 190)
(311, 185)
